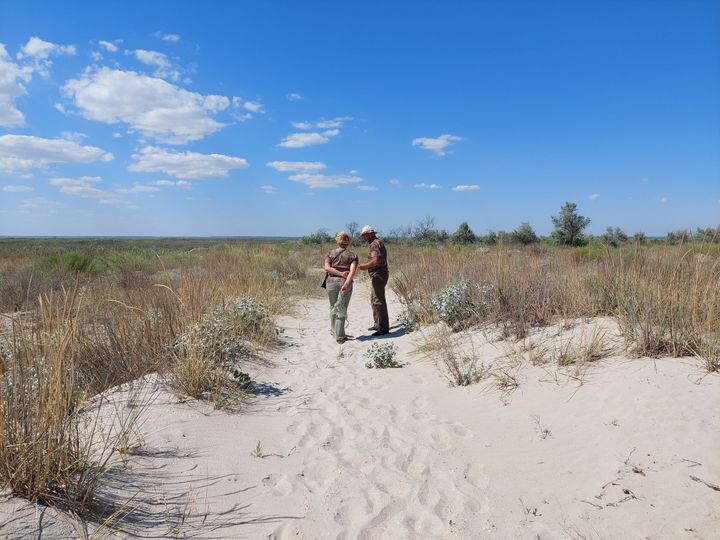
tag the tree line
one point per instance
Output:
(569, 230)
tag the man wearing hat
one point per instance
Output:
(378, 271)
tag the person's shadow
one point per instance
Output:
(395, 332)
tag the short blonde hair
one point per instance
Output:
(343, 239)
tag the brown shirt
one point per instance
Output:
(340, 259)
(377, 249)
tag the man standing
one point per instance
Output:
(378, 271)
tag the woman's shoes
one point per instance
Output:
(341, 340)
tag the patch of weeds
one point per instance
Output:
(408, 320)
(462, 304)
(381, 356)
(542, 431)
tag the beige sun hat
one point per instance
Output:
(367, 229)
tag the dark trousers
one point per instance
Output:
(378, 281)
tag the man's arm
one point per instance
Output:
(372, 263)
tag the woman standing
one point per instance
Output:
(340, 265)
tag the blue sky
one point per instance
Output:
(279, 118)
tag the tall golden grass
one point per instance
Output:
(666, 299)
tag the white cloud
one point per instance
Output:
(297, 166)
(96, 56)
(437, 144)
(394, 182)
(59, 108)
(84, 187)
(17, 189)
(323, 181)
(186, 165)
(172, 38)
(254, 106)
(294, 96)
(39, 51)
(108, 46)
(246, 108)
(268, 189)
(366, 188)
(38, 203)
(163, 67)
(465, 187)
(301, 140)
(594, 197)
(154, 107)
(423, 185)
(12, 77)
(168, 183)
(663, 200)
(138, 188)
(24, 152)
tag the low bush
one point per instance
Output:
(381, 356)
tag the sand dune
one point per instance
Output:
(350, 452)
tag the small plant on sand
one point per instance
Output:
(408, 320)
(381, 356)
(462, 304)
(258, 451)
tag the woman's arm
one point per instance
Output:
(350, 276)
(330, 270)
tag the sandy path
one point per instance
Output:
(350, 452)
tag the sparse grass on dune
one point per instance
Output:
(109, 313)
(666, 299)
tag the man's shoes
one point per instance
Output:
(373, 328)
(379, 333)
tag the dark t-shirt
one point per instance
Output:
(340, 259)
(377, 249)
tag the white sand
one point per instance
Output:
(351, 452)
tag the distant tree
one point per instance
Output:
(463, 235)
(352, 228)
(708, 235)
(678, 237)
(490, 239)
(524, 234)
(639, 237)
(569, 226)
(614, 237)
(320, 236)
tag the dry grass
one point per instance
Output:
(666, 299)
(109, 314)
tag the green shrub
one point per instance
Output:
(462, 304)
(381, 356)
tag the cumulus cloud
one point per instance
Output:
(324, 181)
(268, 189)
(172, 38)
(300, 140)
(437, 144)
(297, 166)
(12, 77)
(244, 110)
(108, 46)
(85, 187)
(466, 187)
(366, 188)
(294, 96)
(38, 52)
(423, 185)
(185, 165)
(394, 182)
(173, 183)
(163, 67)
(154, 107)
(17, 189)
(594, 197)
(25, 152)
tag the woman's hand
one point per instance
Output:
(346, 286)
